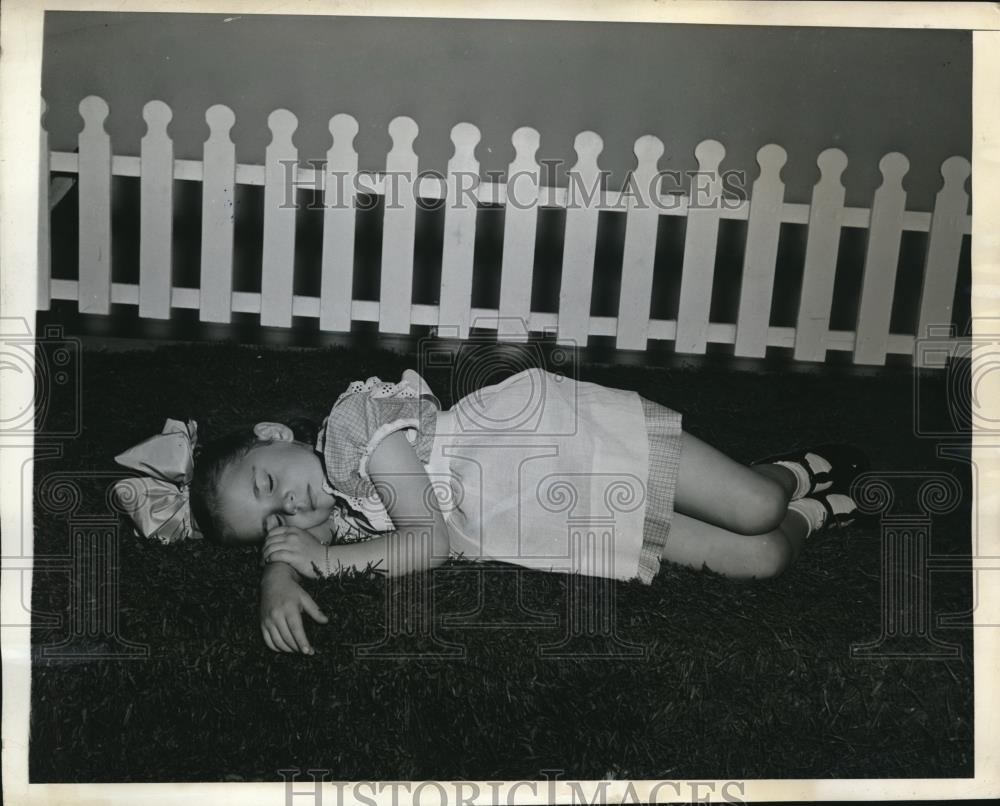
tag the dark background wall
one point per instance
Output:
(864, 91)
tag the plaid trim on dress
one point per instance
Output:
(663, 430)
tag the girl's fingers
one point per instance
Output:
(286, 634)
(277, 640)
(272, 541)
(300, 635)
(277, 538)
(267, 639)
(276, 554)
(310, 606)
(281, 556)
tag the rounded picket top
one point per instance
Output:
(465, 137)
(94, 110)
(526, 141)
(588, 144)
(956, 171)
(893, 167)
(832, 163)
(771, 159)
(648, 148)
(403, 130)
(709, 154)
(157, 115)
(344, 128)
(282, 123)
(220, 119)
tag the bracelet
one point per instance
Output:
(329, 573)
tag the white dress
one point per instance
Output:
(539, 470)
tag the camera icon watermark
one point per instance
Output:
(479, 366)
(37, 371)
(955, 380)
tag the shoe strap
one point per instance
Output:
(815, 477)
(835, 519)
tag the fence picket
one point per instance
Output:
(44, 294)
(761, 253)
(339, 222)
(519, 229)
(95, 208)
(217, 213)
(826, 218)
(277, 280)
(399, 229)
(700, 244)
(156, 212)
(641, 223)
(878, 284)
(455, 307)
(944, 247)
(583, 198)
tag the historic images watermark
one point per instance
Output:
(951, 377)
(51, 411)
(907, 628)
(303, 787)
(951, 413)
(665, 191)
(51, 365)
(90, 628)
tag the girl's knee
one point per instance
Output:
(764, 509)
(772, 555)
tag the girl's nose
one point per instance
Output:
(291, 506)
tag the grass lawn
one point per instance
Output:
(700, 677)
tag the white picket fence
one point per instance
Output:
(336, 309)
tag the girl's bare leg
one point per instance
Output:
(732, 518)
(698, 544)
(720, 491)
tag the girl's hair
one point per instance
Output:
(212, 459)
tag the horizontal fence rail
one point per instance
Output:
(642, 200)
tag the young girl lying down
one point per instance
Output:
(539, 470)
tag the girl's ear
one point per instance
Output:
(274, 432)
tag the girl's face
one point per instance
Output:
(277, 483)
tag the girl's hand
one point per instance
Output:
(295, 547)
(282, 602)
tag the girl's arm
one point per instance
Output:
(395, 469)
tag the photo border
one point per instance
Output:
(20, 110)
